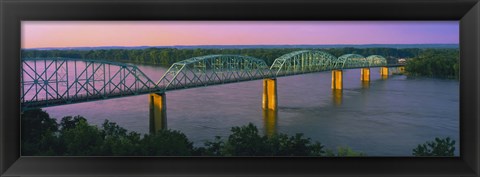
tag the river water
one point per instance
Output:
(388, 117)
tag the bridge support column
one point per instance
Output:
(384, 72)
(158, 112)
(365, 74)
(269, 99)
(337, 79)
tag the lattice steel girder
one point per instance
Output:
(49, 81)
(211, 70)
(302, 62)
(377, 60)
(55, 81)
(352, 60)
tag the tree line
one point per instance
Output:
(435, 63)
(167, 56)
(73, 136)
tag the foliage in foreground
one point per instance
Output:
(41, 135)
(439, 147)
(246, 141)
(73, 136)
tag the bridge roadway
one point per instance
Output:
(58, 81)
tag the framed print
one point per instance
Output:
(239, 88)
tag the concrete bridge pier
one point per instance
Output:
(269, 97)
(384, 72)
(337, 79)
(269, 105)
(158, 112)
(365, 74)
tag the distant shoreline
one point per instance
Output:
(306, 46)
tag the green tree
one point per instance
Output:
(213, 148)
(70, 122)
(246, 141)
(38, 133)
(116, 140)
(283, 145)
(166, 143)
(82, 140)
(442, 63)
(439, 147)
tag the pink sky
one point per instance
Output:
(38, 34)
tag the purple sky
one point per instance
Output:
(36, 34)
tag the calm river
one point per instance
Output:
(385, 118)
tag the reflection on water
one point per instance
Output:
(270, 118)
(365, 84)
(337, 96)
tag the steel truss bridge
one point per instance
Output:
(58, 81)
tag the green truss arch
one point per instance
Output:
(304, 61)
(376, 60)
(212, 70)
(352, 61)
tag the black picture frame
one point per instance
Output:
(12, 12)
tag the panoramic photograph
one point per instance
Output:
(240, 88)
